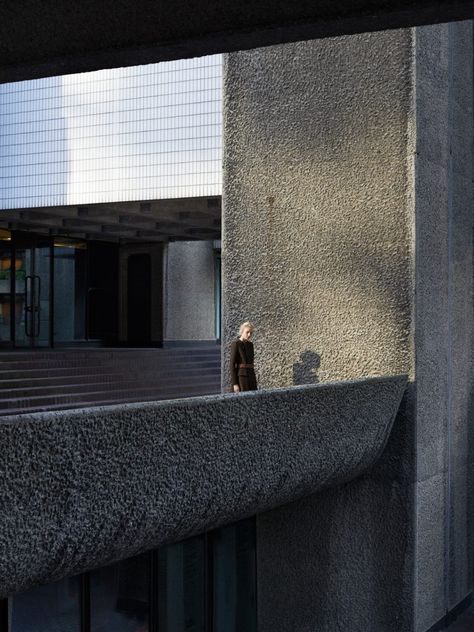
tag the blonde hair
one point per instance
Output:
(244, 325)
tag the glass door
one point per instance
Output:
(31, 291)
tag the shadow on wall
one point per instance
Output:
(305, 371)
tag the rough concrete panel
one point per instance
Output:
(335, 238)
(190, 291)
(361, 534)
(81, 489)
(316, 252)
(315, 239)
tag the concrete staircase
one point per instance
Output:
(32, 381)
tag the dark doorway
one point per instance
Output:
(139, 299)
(102, 291)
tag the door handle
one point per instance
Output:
(29, 306)
(37, 305)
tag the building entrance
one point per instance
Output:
(56, 291)
(32, 292)
(25, 291)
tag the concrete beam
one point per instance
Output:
(50, 38)
(161, 472)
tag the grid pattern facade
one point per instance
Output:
(126, 134)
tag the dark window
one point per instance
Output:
(182, 587)
(119, 596)
(51, 608)
(234, 596)
(203, 584)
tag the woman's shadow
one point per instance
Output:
(305, 371)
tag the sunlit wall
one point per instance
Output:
(141, 133)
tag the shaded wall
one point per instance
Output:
(443, 318)
(346, 202)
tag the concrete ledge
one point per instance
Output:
(81, 489)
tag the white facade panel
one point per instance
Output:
(127, 134)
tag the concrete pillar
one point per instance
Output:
(189, 291)
(347, 239)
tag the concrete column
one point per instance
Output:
(189, 291)
(347, 239)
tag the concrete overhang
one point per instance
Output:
(39, 39)
(81, 489)
(184, 219)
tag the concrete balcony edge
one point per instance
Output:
(83, 488)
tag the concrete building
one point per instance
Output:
(347, 238)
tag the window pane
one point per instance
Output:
(234, 578)
(181, 587)
(52, 608)
(120, 596)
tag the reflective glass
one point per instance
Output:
(119, 596)
(52, 608)
(234, 578)
(181, 587)
(69, 291)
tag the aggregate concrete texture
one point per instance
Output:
(81, 489)
(51, 38)
(343, 558)
(316, 250)
(347, 239)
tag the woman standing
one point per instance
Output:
(241, 360)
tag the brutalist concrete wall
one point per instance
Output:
(443, 318)
(336, 243)
(81, 489)
(315, 243)
(189, 291)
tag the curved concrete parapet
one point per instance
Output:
(81, 489)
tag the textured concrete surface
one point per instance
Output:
(358, 535)
(315, 246)
(81, 489)
(189, 291)
(317, 230)
(348, 204)
(51, 38)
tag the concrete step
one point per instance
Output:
(121, 384)
(55, 380)
(177, 374)
(106, 354)
(71, 369)
(110, 402)
(48, 402)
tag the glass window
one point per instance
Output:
(181, 587)
(51, 608)
(234, 578)
(119, 596)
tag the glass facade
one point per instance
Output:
(124, 134)
(120, 596)
(204, 584)
(51, 608)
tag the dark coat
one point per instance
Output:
(241, 352)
